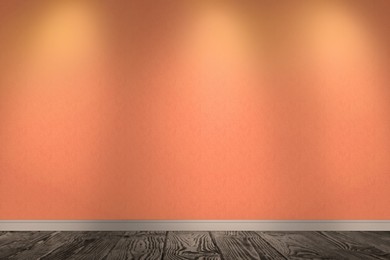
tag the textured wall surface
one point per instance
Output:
(194, 110)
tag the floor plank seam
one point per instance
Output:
(330, 240)
(164, 246)
(271, 246)
(216, 245)
(109, 251)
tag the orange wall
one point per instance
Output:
(194, 110)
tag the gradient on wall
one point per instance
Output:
(194, 110)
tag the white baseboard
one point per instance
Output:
(194, 225)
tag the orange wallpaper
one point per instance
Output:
(194, 110)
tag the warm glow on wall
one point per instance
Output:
(350, 84)
(216, 38)
(194, 110)
(65, 33)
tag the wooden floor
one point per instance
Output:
(194, 245)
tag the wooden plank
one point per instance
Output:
(44, 247)
(99, 245)
(351, 241)
(16, 242)
(380, 240)
(13, 236)
(234, 245)
(139, 245)
(195, 245)
(190, 245)
(384, 234)
(76, 242)
(7, 237)
(262, 247)
(304, 245)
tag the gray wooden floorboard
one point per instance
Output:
(138, 245)
(44, 247)
(379, 240)
(100, 247)
(21, 241)
(222, 245)
(235, 245)
(76, 242)
(190, 245)
(350, 241)
(305, 245)
(262, 247)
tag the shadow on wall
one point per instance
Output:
(194, 110)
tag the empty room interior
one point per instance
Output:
(194, 129)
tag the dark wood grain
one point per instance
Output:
(194, 245)
(190, 245)
(14, 236)
(74, 243)
(100, 245)
(139, 245)
(262, 247)
(362, 245)
(16, 242)
(384, 234)
(235, 245)
(305, 245)
(7, 237)
(380, 240)
(44, 247)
